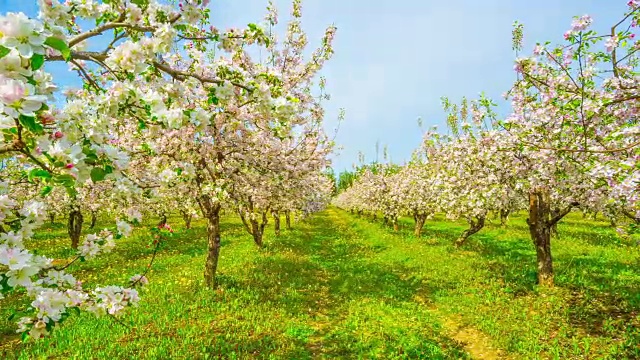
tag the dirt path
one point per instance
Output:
(475, 342)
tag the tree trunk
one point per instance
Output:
(540, 230)
(74, 227)
(504, 217)
(52, 218)
(163, 220)
(375, 217)
(255, 232)
(212, 212)
(287, 217)
(395, 224)
(420, 220)
(276, 222)
(252, 225)
(474, 227)
(94, 219)
(187, 217)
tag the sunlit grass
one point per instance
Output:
(338, 286)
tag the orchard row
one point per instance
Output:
(571, 141)
(173, 114)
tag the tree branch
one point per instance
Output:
(562, 214)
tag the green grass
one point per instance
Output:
(339, 286)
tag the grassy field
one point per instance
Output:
(339, 286)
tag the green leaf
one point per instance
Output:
(31, 124)
(59, 45)
(4, 51)
(65, 179)
(39, 173)
(45, 191)
(97, 174)
(37, 61)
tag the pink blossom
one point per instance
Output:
(611, 43)
(581, 23)
(11, 90)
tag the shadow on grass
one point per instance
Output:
(304, 259)
(316, 271)
(510, 256)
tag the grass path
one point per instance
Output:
(362, 308)
(477, 344)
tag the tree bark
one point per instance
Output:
(74, 227)
(253, 227)
(395, 224)
(287, 217)
(52, 218)
(212, 212)
(540, 230)
(504, 217)
(94, 219)
(474, 226)
(540, 223)
(276, 222)
(187, 217)
(255, 232)
(420, 220)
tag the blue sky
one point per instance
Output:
(395, 59)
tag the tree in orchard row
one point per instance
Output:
(471, 178)
(211, 131)
(133, 88)
(575, 125)
(374, 190)
(415, 191)
(54, 152)
(269, 179)
(571, 140)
